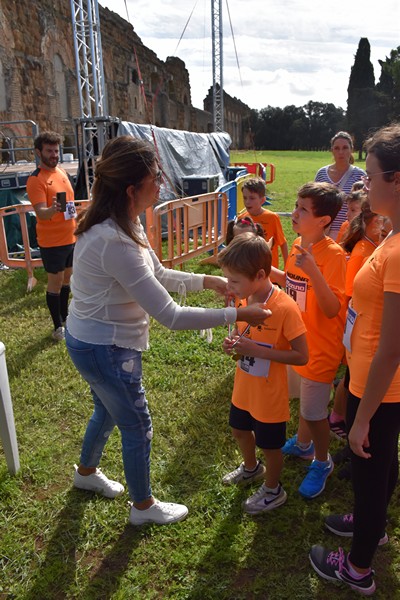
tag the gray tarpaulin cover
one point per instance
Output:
(184, 153)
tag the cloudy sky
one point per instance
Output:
(289, 51)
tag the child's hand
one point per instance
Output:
(245, 347)
(358, 439)
(305, 260)
(228, 348)
(228, 343)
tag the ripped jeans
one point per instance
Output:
(115, 378)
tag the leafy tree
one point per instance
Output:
(362, 111)
(324, 120)
(296, 128)
(388, 88)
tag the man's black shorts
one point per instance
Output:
(57, 258)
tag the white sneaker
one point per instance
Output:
(161, 513)
(59, 334)
(97, 482)
(264, 500)
(242, 477)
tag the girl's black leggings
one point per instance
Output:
(374, 479)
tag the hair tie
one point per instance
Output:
(243, 221)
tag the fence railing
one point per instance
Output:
(25, 260)
(192, 226)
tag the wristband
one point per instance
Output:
(230, 314)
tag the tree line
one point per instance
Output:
(310, 127)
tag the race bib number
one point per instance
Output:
(348, 330)
(257, 367)
(70, 212)
(298, 291)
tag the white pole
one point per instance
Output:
(217, 64)
(7, 425)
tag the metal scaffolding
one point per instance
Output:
(94, 128)
(217, 65)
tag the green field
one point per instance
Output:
(60, 543)
(292, 170)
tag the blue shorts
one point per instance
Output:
(269, 436)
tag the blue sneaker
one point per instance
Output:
(292, 449)
(314, 482)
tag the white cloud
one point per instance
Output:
(289, 52)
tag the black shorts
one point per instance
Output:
(269, 436)
(57, 258)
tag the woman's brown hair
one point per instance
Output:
(345, 136)
(385, 145)
(356, 229)
(125, 161)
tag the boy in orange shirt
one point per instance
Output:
(315, 278)
(260, 399)
(254, 197)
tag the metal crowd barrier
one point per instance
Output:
(26, 261)
(194, 225)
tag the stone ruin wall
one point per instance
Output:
(38, 79)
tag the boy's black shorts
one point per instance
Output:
(269, 436)
(57, 258)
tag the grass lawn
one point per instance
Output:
(58, 543)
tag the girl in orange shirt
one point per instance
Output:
(354, 200)
(361, 239)
(373, 354)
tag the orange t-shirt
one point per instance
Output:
(357, 258)
(41, 187)
(341, 233)
(324, 335)
(266, 398)
(272, 227)
(379, 274)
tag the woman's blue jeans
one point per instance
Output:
(115, 378)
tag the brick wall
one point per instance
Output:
(38, 77)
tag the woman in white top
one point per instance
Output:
(118, 284)
(341, 173)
